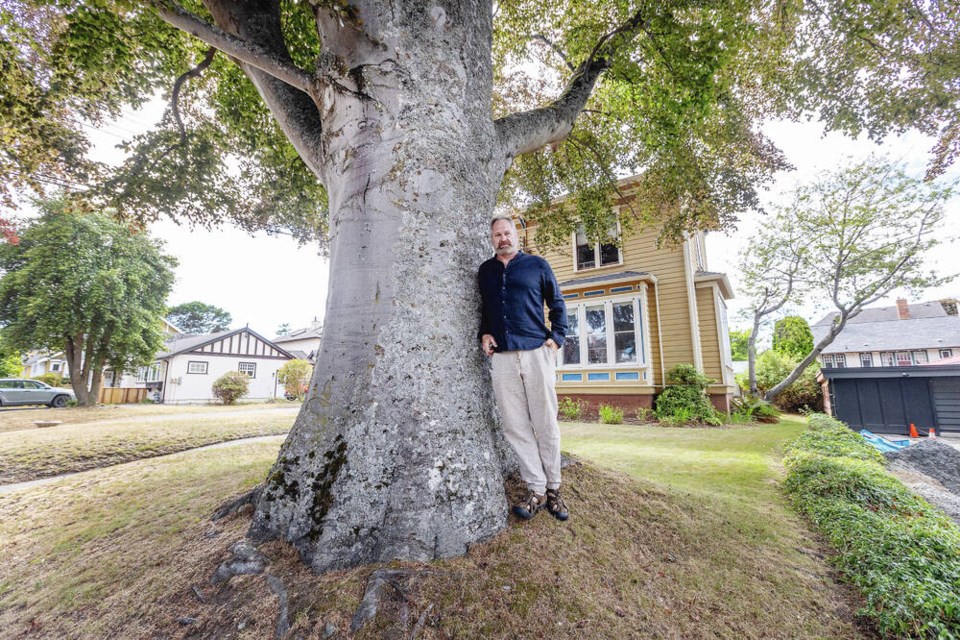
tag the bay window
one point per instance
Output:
(611, 334)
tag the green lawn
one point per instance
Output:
(686, 536)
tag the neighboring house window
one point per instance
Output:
(904, 359)
(837, 360)
(866, 359)
(194, 366)
(142, 374)
(249, 368)
(946, 353)
(604, 333)
(920, 357)
(888, 359)
(596, 254)
(153, 373)
(55, 367)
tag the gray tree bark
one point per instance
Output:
(396, 452)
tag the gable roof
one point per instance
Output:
(930, 332)
(918, 311)
(177, 345)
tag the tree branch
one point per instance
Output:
(539, 37)
(244, 51)
(178, 84)
(530, 130)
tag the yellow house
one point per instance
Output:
(634, 311)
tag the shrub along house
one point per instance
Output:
(636, 310)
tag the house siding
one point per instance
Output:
(709, 340)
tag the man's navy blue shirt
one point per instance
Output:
(512, 303)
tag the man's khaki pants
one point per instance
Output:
(524, 385)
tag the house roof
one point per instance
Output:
(918, 311)
(891, 334)
(184, 343)
(300, 334)
(609, 277)
(715, 276)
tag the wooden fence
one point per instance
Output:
(121, 395)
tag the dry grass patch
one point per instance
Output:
(118, 556)
(22, 418)
(28, 455)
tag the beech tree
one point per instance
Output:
(82, 284)
(199, 317)
(863, 230)
(388, 130)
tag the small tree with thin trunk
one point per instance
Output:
(89, 287)
(770, 278)
(864, 231)
(792, 336)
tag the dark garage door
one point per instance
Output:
(887, 405)
(946, 398)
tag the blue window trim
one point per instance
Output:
(598, 376)
(571, 377)
(627, 375)
(620, 289)
(570, 296)
(597, 292)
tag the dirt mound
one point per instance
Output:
(933, 458)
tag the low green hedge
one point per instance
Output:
(903, 553)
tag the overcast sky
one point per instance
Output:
(266, 281)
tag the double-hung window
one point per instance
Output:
(590, 255)
(604, 333)
(248, 368)
(832, 360)
(866, 359)
(946, 353)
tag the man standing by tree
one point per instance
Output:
(513, 288)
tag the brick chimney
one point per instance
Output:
(903, 309)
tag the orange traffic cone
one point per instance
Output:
(931, 434)
(913, 431)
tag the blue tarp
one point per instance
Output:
(882, 444)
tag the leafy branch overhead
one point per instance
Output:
(664, 88)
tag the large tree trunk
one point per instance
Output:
(395, 453)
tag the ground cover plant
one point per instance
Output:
(610, 414)
(686, 536)
(39, 453)
(901, 552)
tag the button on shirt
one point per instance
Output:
(512, 303)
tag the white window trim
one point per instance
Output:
(723, 333)
(641, 333)
(206, 368)
(949, 353)
(596, 251)
(869, 355)
(253, 364)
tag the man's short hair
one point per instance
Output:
(501, 216)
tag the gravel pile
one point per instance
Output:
(931, 468)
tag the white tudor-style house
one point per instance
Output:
(898, 336)
(184, 373)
